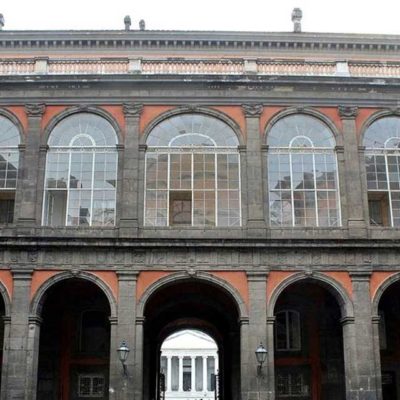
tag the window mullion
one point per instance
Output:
(291, 186)
(315, 190)
(389, 189)
(92, 189)
(68, 184)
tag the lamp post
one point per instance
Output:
(261, 356)
(123, 352)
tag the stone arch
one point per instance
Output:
(202, 276)
(10, 116)
(308, 112)
(375, 117)
(6, 300)
(193, 110)
(334, 287)
(81, 109)
(381, 290)
(40, 296)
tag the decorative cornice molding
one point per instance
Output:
(252, 110)
(35, 110)
(348, 112)
(132, 109)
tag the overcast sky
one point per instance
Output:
(349, 16)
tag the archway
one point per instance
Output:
(192, 304)
(74, 342)
(309, 358)
(389, 341)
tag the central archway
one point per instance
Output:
(190, 303)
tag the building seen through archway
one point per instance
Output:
(189, 365)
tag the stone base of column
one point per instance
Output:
(256, 229)
(128, 228)
(357, 228)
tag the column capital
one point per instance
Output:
(252, 110)
(127, 275)
(376, 319)
(140, 320)
(22, 274)
(243, 321)
(132, 110)
(271, 320)
(257, 276)
(35, 110)
(142, 147)
(347, 320)
(113, 320)
(348, 112)
(360, 276)
(35, 320)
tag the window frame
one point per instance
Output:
(288, 334)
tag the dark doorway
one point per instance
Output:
(309, 362)
(197, 305)
(74, 343)
(389, 340)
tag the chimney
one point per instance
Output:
(297, 15)
(127, 23)
(142, 25)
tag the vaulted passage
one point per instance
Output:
(389, 341)
(74, 342)
(193, 305)
(308, 344)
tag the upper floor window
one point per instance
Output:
(192, 173)
(302, 173)
(382, 160)
(9, 158)
(81, 172)
(287, 331)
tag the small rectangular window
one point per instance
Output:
(378, 205)
(91, 386)
(180, 208)
(7, 200)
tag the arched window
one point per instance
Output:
(382, 160)
(81, 172)
(302, 173)
(287, 331)
(192, 173)
(9, 158)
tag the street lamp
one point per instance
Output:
(123, 352)
(261, 355)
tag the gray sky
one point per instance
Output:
(349, 16)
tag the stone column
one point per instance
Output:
(138, 373)
(376, 320)
(20, 361)
(130, 188)
(121, 386)
(27, 216)
(32, 356)
(270, 362)
(6, 346)
(193, 376)
(169, 374)
(255, 385)
(205, 374)
(354, 193)
(180, 374)
(254, 169)
(364, 339)
(350, 361)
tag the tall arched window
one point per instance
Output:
(81, 172)
(192, 173)
(382, 160)
(9, 158)
(302, 173)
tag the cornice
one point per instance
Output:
(86, 40)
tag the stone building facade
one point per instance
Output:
(242, 184)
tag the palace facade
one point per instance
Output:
(243, 184)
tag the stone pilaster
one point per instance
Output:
(129, 202)
(354, 192)
(364, 339)
(254, 172)
(256, 384)
(5, 361)
(138, 373)
(122, 386)
(29, 173)
(21, 367)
